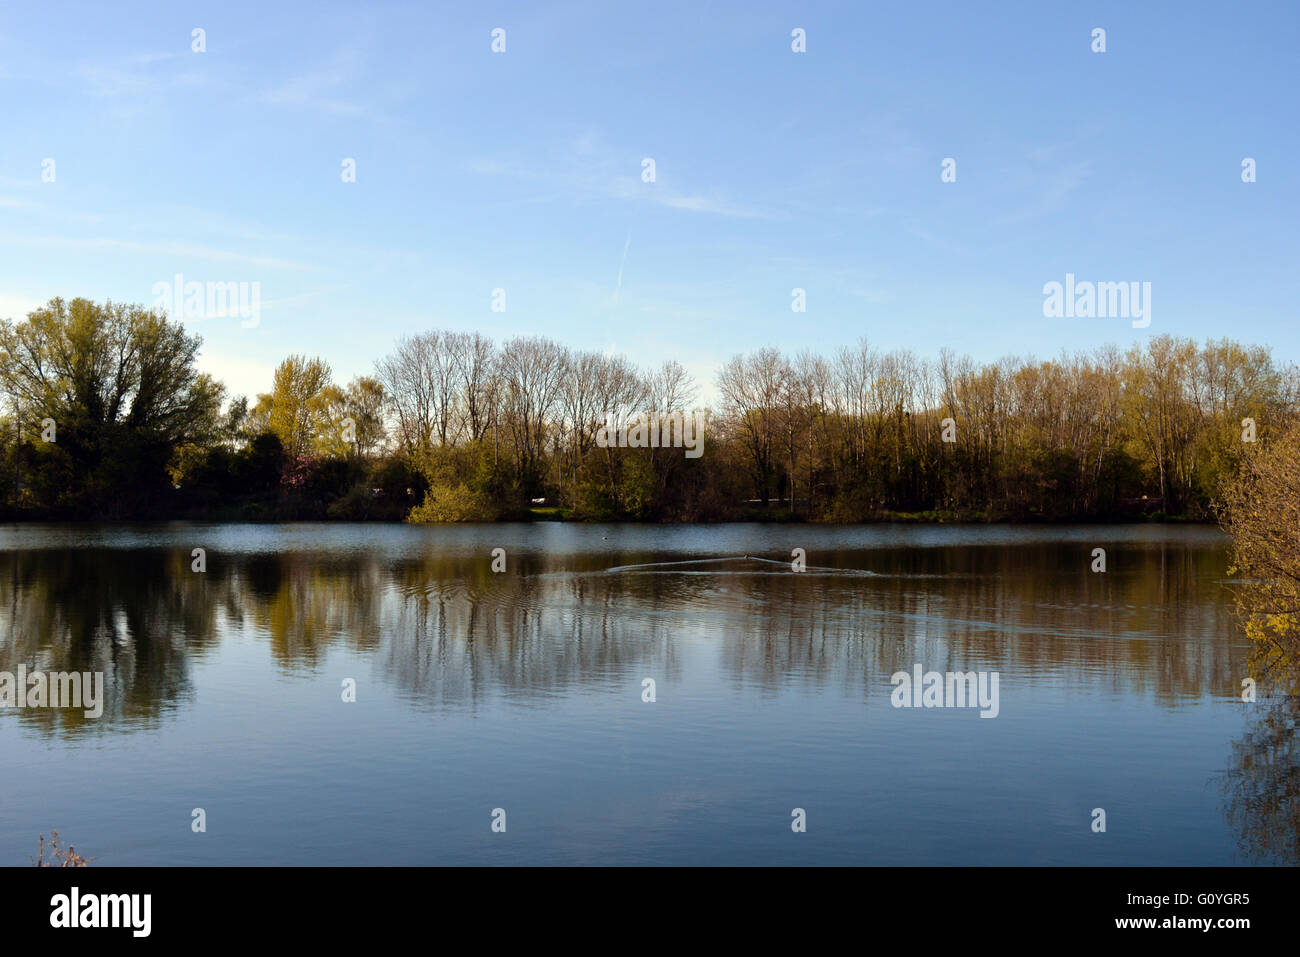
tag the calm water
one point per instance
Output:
(523, 691)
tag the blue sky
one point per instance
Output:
(775, 170)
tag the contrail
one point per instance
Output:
(621, 263)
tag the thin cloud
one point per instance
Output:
(600, 181)
(110, 83)
(705, 204)
(145, 59)
(175, 250)
(1053, 195)
(315, 90)
(16, 307)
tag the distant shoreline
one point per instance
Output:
(891, 518)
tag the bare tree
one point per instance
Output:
(475, 360)
(408, 383)
(752, 388)
(532, 372)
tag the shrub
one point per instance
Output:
(453, 503)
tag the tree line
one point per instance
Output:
(105, 414)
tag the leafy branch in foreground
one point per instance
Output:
(1262, 513)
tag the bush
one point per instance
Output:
(453, 503)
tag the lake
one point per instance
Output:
(524, 690)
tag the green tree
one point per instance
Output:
(300, 402)
(120, 384)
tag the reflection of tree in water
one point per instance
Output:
(446, 631)
(1262, 784)
(1155, 625)
(454, 642)
(136, 616)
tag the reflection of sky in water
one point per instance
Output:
(523, 690)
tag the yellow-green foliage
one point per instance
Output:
(452, 503)
(1262, 513)
(454, 493)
